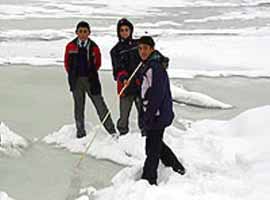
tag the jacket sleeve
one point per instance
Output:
(119, 73)
(97, 56)
(66, 58)
(155, 93)
(114, 63)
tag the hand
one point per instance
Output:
(126, 83)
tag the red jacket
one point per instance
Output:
(72, 47)
(71, 65)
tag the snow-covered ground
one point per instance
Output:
(74, 8)
(66, 136)
(224, 159)
(4, 196)
(71, 8)
(103, 146)
(244, 54)
(10, 142)
(212, 37)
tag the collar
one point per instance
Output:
(79, 42)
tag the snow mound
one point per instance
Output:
(181, 95)
(86, 193)
(103, 147)
(225, 160)
(11, 143)
(4, 196)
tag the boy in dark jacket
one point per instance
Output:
(157, 112)
(82, 62)
(125, 59)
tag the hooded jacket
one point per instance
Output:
(157, 112)
(125, 58)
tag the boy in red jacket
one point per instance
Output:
(82, 62)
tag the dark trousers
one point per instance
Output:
(156, 149)
(82, 88)
(126, 103)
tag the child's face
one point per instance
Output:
(83, 33)
(124, 32)
(145, 51)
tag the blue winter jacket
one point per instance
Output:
(157, 106)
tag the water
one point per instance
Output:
(47, 173)
(34, 103)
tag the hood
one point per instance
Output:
(156, 56)
(124, 22)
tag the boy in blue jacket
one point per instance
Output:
(157, 110)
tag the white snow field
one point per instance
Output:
(201, 37)
(224, 159)
(244, 54)
(74, 8)
(11, 144)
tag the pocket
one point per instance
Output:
(72, 59)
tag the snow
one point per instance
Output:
(86, 193)
(181, 95)
(71, 8)
(194, 47)
(248, 14)
(226, 160)
(10, 142)
(66, 136)
(218, 56)
(103, 147)
(4, 196)
(204, 52)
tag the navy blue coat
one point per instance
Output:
(157, 104)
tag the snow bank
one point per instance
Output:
(226, 160)
(103, 147)
(10, 143)
(181, 95)
(4, 196)
(86, 193)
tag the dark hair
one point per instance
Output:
(147, 40)
(83, 24)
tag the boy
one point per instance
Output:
(82, 62)
(157, 112)
(125, 59)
